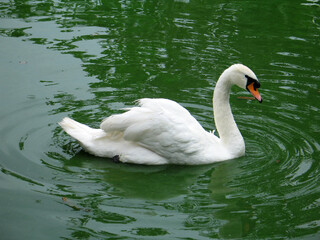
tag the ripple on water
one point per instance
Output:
(278, 150)
(27, 125)
(27, 133)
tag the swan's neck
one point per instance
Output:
(227, 128)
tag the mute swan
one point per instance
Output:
(160, 131)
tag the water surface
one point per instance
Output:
(89, 59)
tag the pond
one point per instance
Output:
(88, 59)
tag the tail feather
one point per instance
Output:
(77, 130)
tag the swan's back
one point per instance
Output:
(162, 126)
(151, 115)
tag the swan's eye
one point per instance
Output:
(255, 82)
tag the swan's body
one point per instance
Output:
(160, 131)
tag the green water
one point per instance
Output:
(88, 59)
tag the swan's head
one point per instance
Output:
(245, 78)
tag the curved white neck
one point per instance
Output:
(224, 121)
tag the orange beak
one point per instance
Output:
(254, 92)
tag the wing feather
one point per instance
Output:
(163, 126)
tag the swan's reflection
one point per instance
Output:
(141, 181)
(235, 213)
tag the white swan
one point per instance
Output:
(160, 131)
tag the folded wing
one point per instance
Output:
(160, 125)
